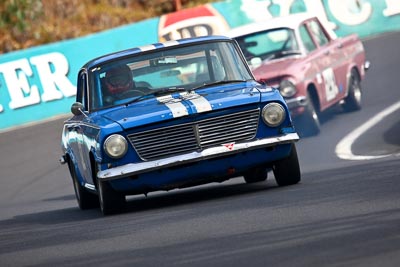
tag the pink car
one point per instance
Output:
(313, 69)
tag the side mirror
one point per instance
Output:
(77, 109)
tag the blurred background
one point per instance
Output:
(27, 23)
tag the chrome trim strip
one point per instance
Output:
(213, 152)
(90, 186)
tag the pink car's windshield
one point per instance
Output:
(268, 44)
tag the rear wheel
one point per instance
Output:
(256, 175)
(308, 122)
(86, 200)
(287, 170)
(353, 100)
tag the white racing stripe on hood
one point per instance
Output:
(147, 48)
(170, 43)
(200, 102)
(177, 108)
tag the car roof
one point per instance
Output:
(136, 50)
(291, 21)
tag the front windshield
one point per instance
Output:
(268, 45)
(167, 71)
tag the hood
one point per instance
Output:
(183, 104)
(274, 68)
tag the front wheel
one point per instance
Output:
(111, 202)
(308, 123)
(287, 170)
(86, 200)
(256, 175)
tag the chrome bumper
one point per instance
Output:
(300, 101)
(213, 152)
(63, 159)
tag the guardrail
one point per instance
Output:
(39, 83)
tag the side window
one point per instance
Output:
(81, 94)
(318, 33)
(306, 38)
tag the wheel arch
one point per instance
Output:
(353, 68)
(356, 71)
(93, 168)
(313, 92)
(68, 160)
(76, 174)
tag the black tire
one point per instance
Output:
(256, 175)
(287, 170)
(308, 123)
(353, 101)
(85, 199)
(111, 202)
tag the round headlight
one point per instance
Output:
(116, 146)
(287, 88)
(273, 114)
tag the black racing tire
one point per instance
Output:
(85, 199)
(353, 101)
(308, 124)
(287, 170)
(256, 175)
(111, 202)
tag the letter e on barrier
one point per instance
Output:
(15, 76)
(53, 69)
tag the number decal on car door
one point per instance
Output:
(331, 88)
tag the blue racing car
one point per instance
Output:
(174, 115)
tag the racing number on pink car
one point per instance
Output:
(331, 89)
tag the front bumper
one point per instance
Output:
(300, 101)
(209, 153)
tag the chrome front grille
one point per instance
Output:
(186, 138)
(164, 142)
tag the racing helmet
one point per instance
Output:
(119, 79)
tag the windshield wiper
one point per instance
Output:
(217, 83)
(156, 93)
(139, 98)
(290, 52)
(283, 53)
(169, 90)
(180, 89)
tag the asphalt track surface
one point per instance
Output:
(343, 213)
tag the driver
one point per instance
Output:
(119, 80)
